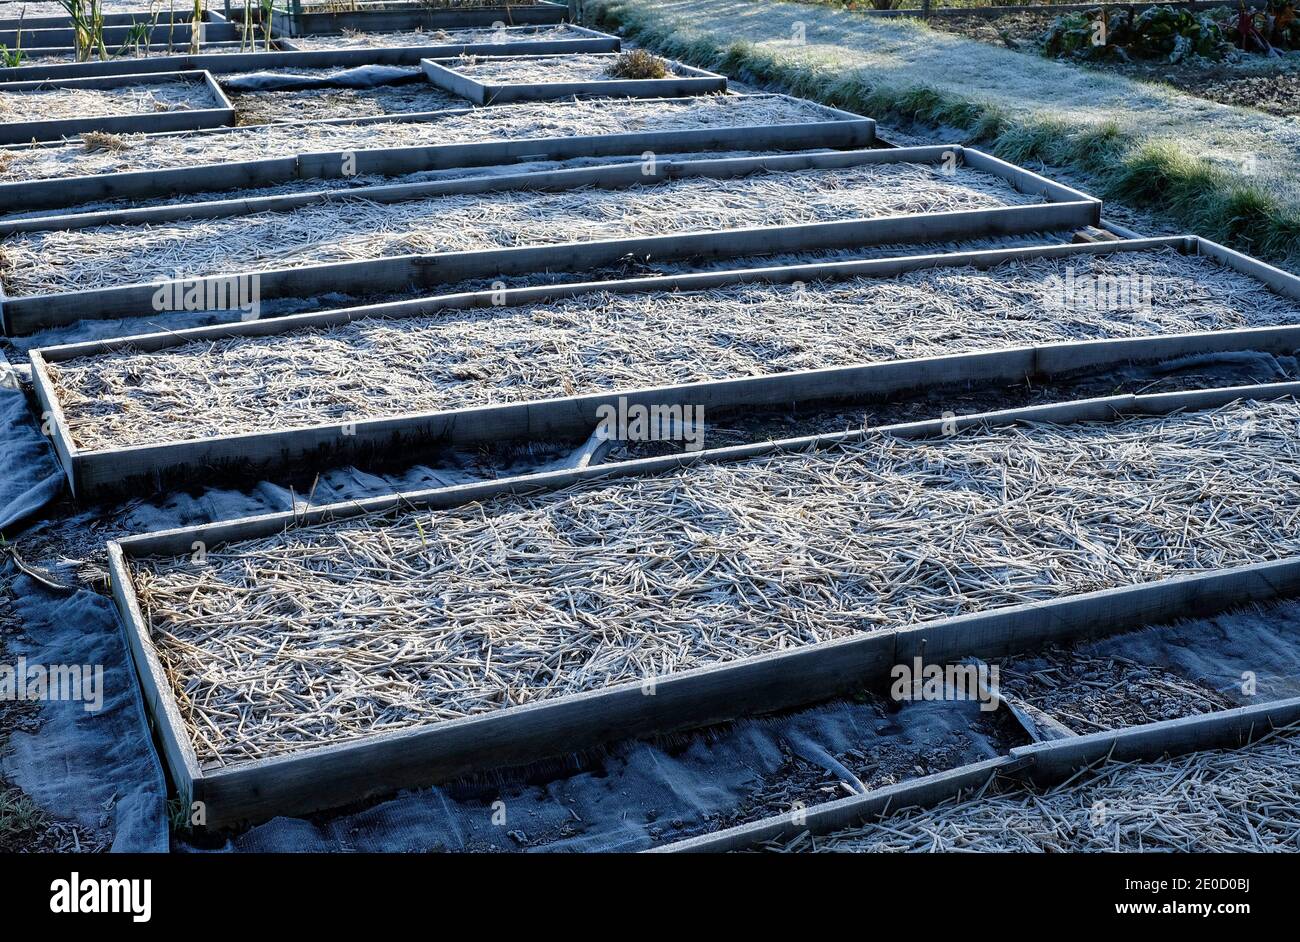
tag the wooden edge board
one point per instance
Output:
(178, 752)
(108, 81)
(53, 421)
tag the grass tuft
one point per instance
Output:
(638, 64)
(102, 140)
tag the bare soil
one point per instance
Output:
(1089, 693)
(1269, 84)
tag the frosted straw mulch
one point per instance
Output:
(351, 39)
(501, 122)
(1221, 801)
(527, 70)
(319, 104)
(332, 632)
(67, 260)
(51, 104)
(600, 342)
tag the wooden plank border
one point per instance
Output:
(119, 18)
(116, 35)
(329, 775)
(684, 81)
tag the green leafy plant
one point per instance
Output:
(87, 18)
(1121, 32)
(14, 57)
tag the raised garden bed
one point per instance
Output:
(167, 101)
(498, 80)
(116, 36)
(476, 369)
(51, 14)
(151, 167)
(812, 202)
(395, 96)
(313, 19)
(1120, 484)
(509, 40)
(383, 49)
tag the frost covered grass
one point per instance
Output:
(51, 104)
(1243, 800)
(77, 259)
(1226, 173)
(602, 342)
(330, 632)
(501, 122)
